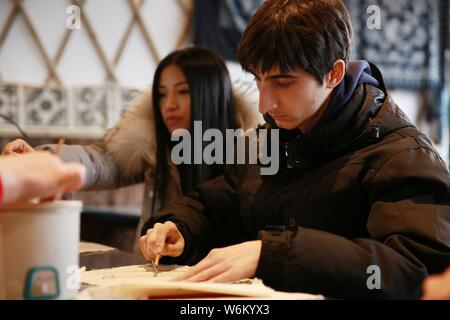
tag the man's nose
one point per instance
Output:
(266, 100)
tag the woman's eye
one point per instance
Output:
(161, 95)
(184, 91)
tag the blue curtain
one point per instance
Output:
(408, 48)
(218, 24)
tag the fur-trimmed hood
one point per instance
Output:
(132, 141)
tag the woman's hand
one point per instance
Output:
(16, 147)
(163, 239)
(227, 264)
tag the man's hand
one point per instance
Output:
(227, 264)
(38, 174)
(163, 239)
(17, 146)
(437, 287)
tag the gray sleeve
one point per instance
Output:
(102, 172)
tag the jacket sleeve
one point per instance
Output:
(123, 154)
(208, 218)
(409, 237)
(102, 171)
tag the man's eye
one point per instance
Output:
(284, 84)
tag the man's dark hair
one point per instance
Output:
(310, 34)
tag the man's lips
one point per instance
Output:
(278, 116)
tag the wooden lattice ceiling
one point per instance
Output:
(53, 79)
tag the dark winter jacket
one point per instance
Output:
(363, 190)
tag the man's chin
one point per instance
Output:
(285, 125)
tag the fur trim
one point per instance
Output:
(132, 144)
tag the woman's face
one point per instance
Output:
(174, 99)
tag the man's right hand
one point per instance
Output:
(163, 239)
(16, 147)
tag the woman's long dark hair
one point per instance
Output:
(211, 102)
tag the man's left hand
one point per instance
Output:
(227, 264)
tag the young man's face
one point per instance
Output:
(293, 99)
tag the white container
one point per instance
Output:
(38, 245)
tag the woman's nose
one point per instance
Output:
(171, 103)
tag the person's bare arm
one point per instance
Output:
(102, 171)
(437, 287)
(38, 174)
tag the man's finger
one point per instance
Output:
(160, 236)
(150, 241)
(172, 250)
(144, 248)
(199, 267)
(208, 273)
(224, 277)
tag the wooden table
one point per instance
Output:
(109, 259)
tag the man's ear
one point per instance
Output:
(336, 75)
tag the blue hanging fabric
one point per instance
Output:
(408, 47)
(218, 24)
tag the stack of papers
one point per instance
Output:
(139, 282)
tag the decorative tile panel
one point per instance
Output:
(45, 107)
(91, 106)
(9, 103)
(85, 112)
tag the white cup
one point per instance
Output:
(39, 245)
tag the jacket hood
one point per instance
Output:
(132, 141)
(358, 72)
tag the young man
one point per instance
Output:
(37, 174)
(360, 205)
